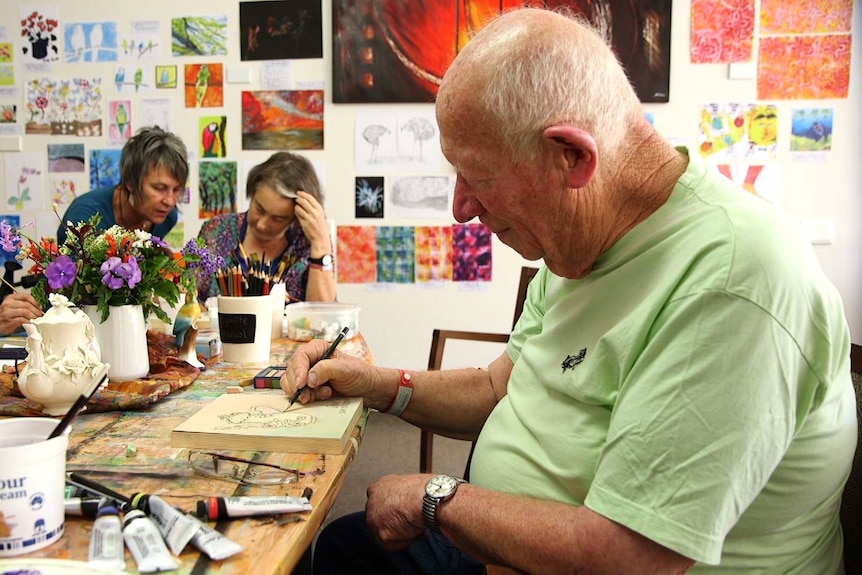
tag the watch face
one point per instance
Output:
(441, 486)
(326, 260)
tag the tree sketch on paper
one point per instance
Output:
(70, 107)
(217, 188)
(104, 168)
(404, 140)
(199, 36)
(91, 42)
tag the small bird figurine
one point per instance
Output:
(186, 331)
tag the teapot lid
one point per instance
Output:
(61, 311)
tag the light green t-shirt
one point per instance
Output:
(695, 387)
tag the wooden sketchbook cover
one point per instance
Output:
(266, 422)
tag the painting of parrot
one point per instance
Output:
(139, 78)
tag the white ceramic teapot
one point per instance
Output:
(63, 353)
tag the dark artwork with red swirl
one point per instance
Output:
(397, 51)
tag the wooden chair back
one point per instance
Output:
(439, 337)
(851, 501)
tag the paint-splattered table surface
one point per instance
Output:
(129, 452)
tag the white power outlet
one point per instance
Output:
(10, 144)
(819, 232)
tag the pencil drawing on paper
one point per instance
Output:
(263, 417)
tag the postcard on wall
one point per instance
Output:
(266, 421)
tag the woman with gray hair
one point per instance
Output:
(153, 172)
(285, 225)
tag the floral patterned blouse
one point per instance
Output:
(223, 234)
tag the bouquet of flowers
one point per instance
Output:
(110, 268)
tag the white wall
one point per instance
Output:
(397, 321)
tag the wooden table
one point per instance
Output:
(100, 448)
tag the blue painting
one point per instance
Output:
(91, 42)
(104, 168)
(811, 130)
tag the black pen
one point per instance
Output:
(326, 355)
(100, 376)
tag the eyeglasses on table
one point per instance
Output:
(245, 471)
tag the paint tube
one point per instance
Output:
(215, 544)
(81, 506)
(106, 540)
(216, 508)
(146, 544)
(174, 525)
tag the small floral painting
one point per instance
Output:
(39, 34)
(70, 107)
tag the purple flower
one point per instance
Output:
(210, 263)
(116, 273)
(61, 272)
(9, 238)
(157, 241)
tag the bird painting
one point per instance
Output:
(186, 331)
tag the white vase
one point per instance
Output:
(123, 341)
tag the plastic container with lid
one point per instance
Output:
(305, 321)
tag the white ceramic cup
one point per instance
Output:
(32, 484)
(245, 328)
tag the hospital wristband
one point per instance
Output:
(402, 396)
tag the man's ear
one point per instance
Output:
(577, 151)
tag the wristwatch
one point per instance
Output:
(324, 262)
(438, 489)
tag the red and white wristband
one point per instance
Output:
(402, 396)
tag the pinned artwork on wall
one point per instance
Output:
(39, 33)
(739, 131)
(408, 140)
(140, 40)
(7, 69)
(204, 85)
(821, 31)
(396, 254)
(166, 77)
(356, 257)
(65, 107)
(199, 36)
(134, 77)
(369, 197)
(63, 191)
(119, 122)
(91, 42)
(433, 253)
(811, 130)
(282, 120)
(66, 158)
(104, 167)
(213, 130)
(722, 32)
(762, 180)
(217, 188)
(421, 197)
(471, 253)
(280, 30)
(395, 51)
(24, 179)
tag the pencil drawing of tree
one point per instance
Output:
(199, 36)
(422, 129)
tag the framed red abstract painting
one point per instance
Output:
(395, 51)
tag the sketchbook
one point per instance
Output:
(265, 422)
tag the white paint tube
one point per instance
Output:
(176, 527)
(216, 508)
(106, 540)
(215, 544)
(146, 544)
